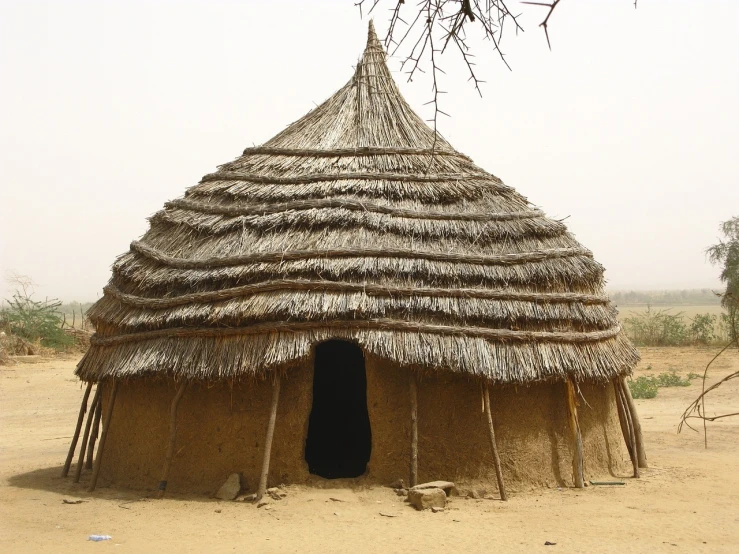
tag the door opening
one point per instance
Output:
(339, 436)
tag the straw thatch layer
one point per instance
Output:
(298, 300)
(235, 356)
(356, 222)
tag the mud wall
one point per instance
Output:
(222, 428)
(530, 422)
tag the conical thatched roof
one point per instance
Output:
(354, 223)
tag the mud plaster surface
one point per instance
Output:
(221, 430)
(453, 442)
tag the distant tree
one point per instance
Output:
(30, 319)
(726, 255)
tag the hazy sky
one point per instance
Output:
(630, 126)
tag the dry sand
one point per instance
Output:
(688, 501)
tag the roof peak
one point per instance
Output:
(372, 40)
(375, 55)
(369, 111)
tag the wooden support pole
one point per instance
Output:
(494, 445)
(268, 440)
(414, 429)
(93, 436)
(103, 437)
(641, 454)
(75, 438)
(626, 428)
(622, 416)
(83, 448)
(172, 437)
(577, 456)
(632, 435)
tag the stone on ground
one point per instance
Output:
(446, 486)
(276, 493)
(477, 494)
(398, 484)
(231, 488)
(422, 499)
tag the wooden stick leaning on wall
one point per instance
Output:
(172, 437)
(103, 436)
(75, 438)
(86, 435)
(268, 441)
(577, 456)
(632, 435)
(622, 416)
(626, 429)
(93, 436)
(641, 454)
(493, 443)
(413, 386)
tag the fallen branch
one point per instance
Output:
(697, 409)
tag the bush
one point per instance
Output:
(728, 327)
(35, 321)
(656, 328)
(646, 386)
(671, 379)
(643, 387)
(703, 328)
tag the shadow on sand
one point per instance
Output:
(50, 479)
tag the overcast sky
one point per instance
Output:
(630, 126)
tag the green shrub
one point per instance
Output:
(35, 321)
(728, 326)
(643, 387)
(703, 328)
(657, 328)
(671, 379)
(646, 386)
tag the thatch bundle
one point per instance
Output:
(356, 222)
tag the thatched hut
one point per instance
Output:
(355, 298)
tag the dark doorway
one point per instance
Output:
(339, 436)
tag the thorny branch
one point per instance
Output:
(449, 20)
(544, 24)
(438, 24)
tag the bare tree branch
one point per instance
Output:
(436, 25)
(544, 24)
(697, 409)
(444, 23)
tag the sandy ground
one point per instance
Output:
(688, 501)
